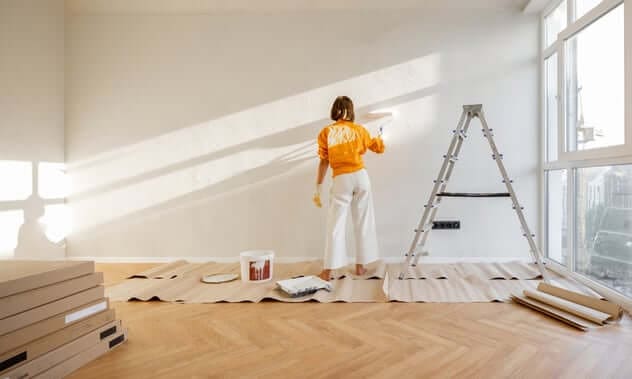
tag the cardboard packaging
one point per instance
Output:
(34, 315)
(19, 276)
(23, 301)
(42, 328)
(41, 346)
(65, 352)
(65, 368)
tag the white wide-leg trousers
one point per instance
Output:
(350, 191)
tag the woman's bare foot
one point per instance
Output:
(325, 275)
(360, 270)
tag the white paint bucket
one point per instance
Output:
(256, 266)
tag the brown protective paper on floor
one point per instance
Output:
(424, 271)
(593, 302)
(470, 288)
(64, 352)
(54, 340)
(45, 311)
(179, 269)
(76, 362)
(166, 271)
(189, 289)
(19, 276)
(514, 270)
(40, 329)
(454, 290)
(464, 282)
(375, 270)
(578, 310)
(14, 304)
(565, 317)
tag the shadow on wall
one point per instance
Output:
(201, 161)
(237, 150)
(33, 217)
(140, 189)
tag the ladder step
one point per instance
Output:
(424, 229)
(469, 194)
(461, 134)
(419, 253)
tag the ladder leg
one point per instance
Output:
(535, 251)
(444, 185)
(430, 207)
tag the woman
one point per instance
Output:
(341, 146)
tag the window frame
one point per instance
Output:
(545, 221)
(571, 161)
(571, 31)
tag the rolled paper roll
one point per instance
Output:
(579, 310)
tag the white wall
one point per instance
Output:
(193, 135)
(31, 114)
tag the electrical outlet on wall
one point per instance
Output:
(446, 225)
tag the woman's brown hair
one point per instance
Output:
(342, 109)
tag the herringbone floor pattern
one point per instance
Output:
(313, 340)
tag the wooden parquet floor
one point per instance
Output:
(311, 340)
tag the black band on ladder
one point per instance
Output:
(465, 194)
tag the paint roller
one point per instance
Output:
(379, 117)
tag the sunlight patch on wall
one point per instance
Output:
(57, 221)
(10, 222)
(104, 207)
(419, 116)
(53, 183)
(251, 124)
(17, 183)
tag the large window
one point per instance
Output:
(603, 225)
(595, 84)
(583, 6)
(556, 216)
(555, 22)
(551, 106)
(587, 153)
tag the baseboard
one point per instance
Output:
(285, 259)
(188, 259)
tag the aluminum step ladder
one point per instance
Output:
(440, 184)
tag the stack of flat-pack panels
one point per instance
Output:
(54, 318)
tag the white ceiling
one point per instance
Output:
(209, 6)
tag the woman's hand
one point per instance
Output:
(316, 198)
(320, 176)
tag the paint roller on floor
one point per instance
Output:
(303, 285)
